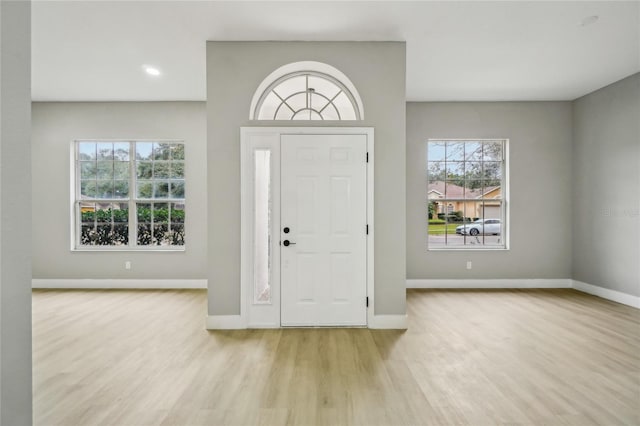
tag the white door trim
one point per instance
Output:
(252, 138)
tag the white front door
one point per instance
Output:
(323, 249)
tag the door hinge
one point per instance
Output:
(367, 157)
(367, 301)
(367, 230)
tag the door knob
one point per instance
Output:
(287, 243)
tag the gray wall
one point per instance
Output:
(539, 136)
(15, 213)
(54, 127)
(606, 187)
(234, 71)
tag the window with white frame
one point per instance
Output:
(307, 95)
(129, 195)
(466, 193)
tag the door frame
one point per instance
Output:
(263, 315)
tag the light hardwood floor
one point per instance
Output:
(547, 357)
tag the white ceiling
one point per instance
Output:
(456, 51)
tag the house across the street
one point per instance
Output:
(475, 203)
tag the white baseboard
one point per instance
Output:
(497, 283)
(393, 322)
(235, 322)
(225, 322)
(267, 325)
(118, 283)
(605, 293)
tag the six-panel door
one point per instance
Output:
(323, 254)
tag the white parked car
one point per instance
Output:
(481, 227)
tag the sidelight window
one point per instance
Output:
(262, 226)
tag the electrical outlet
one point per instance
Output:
(469, 265)
(127, 264)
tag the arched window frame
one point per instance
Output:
(308, 68)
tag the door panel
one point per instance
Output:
(306, 195)
(340, 205)
(307, 264)
(323, 203)
(341, 277)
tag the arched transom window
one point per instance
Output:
(306, 95)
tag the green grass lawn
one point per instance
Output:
(443, 229)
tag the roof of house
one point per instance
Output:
(450, 190)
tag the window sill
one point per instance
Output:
(129, 249)
(468, 249)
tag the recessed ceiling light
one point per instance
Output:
(589, 20)
(151, 70)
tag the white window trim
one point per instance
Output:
(74, 216)
(506, 216)
(301, 67)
